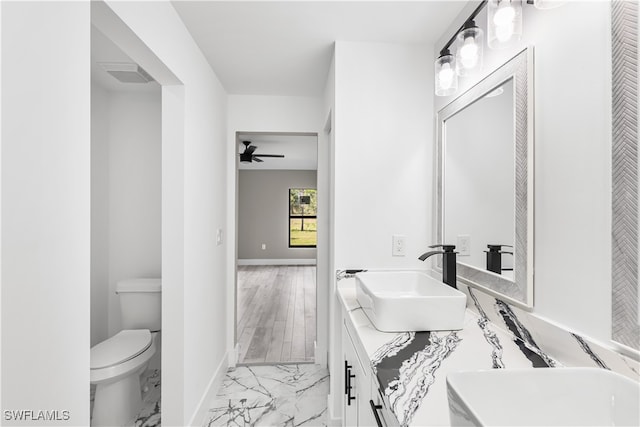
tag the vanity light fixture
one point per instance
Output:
(469, 53)
(504, 23)
(446, 75)
(467, 59)
(547, 4)
(504, 27)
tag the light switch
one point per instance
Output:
(219, 237)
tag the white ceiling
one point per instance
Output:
(285, 47)
(300, 151)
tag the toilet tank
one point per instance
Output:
(140, 303)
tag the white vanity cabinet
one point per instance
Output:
(361, 395)
(357, 385)
(351, 382)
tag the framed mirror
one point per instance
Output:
(484, 182)
(625, 322)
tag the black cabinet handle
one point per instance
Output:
(349, 397)
(346, 377)
(374, 409)
(347, 382)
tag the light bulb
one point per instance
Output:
(504, 22)
(469, 46)
(445, 76)
(504, 15)
(504, 32)
(446, 79)
(469, 53)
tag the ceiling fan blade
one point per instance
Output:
(255, 159)
(269, 155)
(250, 149)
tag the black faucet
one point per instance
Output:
(494, 258)
(448, 262)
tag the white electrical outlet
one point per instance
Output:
(463, 245)
(398, 245)
(264, 246)
(219, 237)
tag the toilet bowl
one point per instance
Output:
(116, 365)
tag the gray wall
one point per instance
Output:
(263, 205)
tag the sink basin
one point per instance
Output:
(543, 397)
(400, 301)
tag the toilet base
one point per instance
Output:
(117, 403)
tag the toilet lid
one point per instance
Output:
(123, 346)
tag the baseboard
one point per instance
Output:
(212, 388)
(304, 261)
(233, 356)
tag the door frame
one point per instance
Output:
(322, 259)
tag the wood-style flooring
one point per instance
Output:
(276, 313)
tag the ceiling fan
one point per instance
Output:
(248, 156)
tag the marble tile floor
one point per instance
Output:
(149, 416)
(272, 395)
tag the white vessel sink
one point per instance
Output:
(399, 301)
(543, 397)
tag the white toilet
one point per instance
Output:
(116, 363)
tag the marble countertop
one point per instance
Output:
(411, 367)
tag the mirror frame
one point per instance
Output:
(624, 198)
(519, 290)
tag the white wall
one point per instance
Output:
(99, 214)
(135, 176)
(572, 160)
(193, 205)
(379, 99)
(383, 153)
(0, 208)
(257, 113)
(126, 198)
(326, 332)
(45, 209)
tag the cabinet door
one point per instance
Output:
(349, 382)
(357, 411)
(386, 418)
(366, 417)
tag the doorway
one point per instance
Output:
(153, 166)
(276, 241)
(126, 211)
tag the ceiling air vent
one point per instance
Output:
(126, 72)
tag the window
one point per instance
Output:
(303, 208)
